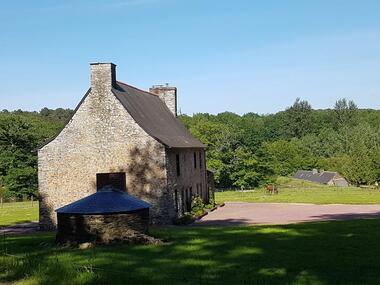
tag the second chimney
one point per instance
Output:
(103, 76)
(168, 95)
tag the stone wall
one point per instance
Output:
(101, 228)
(101, 137)
(192, 178)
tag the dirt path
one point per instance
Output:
(280, 213)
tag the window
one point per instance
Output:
(195, 160)
(176, 200)
(183, 201)
(178, 165)
(200, 160)
(116, 180)
(188, 200)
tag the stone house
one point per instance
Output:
(128, 138)
(330, 178)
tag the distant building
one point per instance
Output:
(323, 177)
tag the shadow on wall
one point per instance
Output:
(47, 219)
(146, 180)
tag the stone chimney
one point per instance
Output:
(168, 95)
(103, 76)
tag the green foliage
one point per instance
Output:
(243, 151)
(250, 150)
(344, 113)
(298, 119)
(3, 191)
(286, 157)
(197, 206)
(20, 135)
(246, 169)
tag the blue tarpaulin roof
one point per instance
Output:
(104, 202)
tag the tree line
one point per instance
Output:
(244, 151)
(21, 133)
(251, 150)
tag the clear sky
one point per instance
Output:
(238, 56)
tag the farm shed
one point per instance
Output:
(323, 177)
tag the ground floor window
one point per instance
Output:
(114, 179)
(176, 200)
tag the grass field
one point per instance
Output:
(297, 191)
(18, 212)
(311, 253)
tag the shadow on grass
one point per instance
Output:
(17, 223)
(344, 252)
(221, 222)
(348, 216)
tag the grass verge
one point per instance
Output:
(18, 212)
(311, 253)
(298, 191)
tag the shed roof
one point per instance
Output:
(152, 114)
(108, 201)
(319, 177)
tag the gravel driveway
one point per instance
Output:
(234, 213)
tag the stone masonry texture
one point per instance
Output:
(100, 228)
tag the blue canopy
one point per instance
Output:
(105, 201)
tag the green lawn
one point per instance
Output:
(310, 195)
(18, 212)
(311, 253)
(298, 191)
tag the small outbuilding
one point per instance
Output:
(330, 178)
(106, 216)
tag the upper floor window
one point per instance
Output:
(178, 165)
(195, 160)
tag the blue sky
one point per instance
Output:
(238, 56)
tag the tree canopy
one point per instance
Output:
(244, 151)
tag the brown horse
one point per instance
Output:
(272, 189)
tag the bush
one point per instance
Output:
(197, 206)
(185, 219)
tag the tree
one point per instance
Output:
(286, 157)
(344, 113)
(3, 191)
(20, 135)
(298, 120)
(246, 169)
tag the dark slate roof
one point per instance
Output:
(104, 202)
(320, 177)
(154, 117)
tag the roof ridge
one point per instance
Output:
(150, 93)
